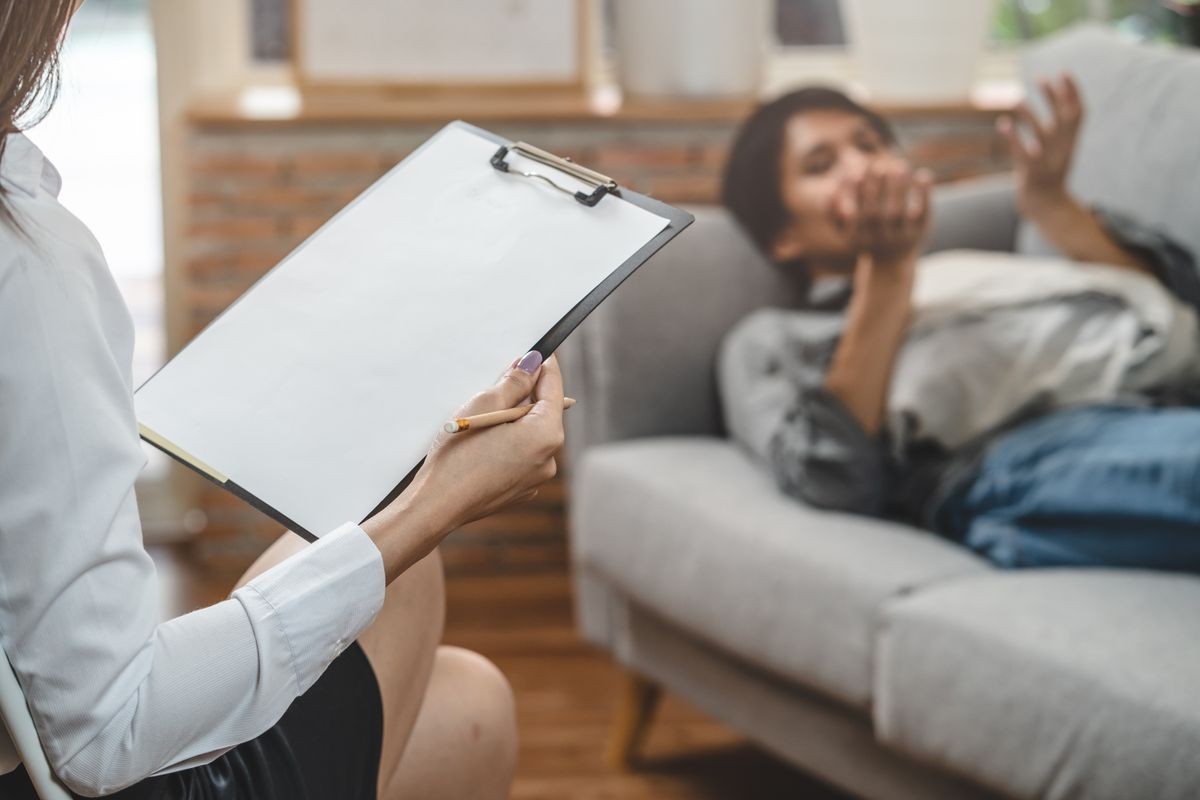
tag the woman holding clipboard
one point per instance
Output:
(321, 676)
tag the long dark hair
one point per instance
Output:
(31, 33)
(751, 187)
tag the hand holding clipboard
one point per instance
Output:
(301, 397)
(465, 478)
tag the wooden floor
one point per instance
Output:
(566, 695)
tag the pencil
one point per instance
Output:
(479, 421)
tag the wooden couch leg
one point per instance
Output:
(639, 698)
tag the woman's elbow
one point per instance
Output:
(88, 783)
(94, 782)
(98, 770)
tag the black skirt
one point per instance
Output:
(326, 747)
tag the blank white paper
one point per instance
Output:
(323, 386)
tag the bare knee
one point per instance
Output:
(489, 715)
(464, 745)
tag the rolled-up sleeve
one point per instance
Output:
(771, 369)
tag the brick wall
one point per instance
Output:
(257, 189)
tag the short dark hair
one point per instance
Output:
(751, 187)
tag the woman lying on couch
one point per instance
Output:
(1037, 410)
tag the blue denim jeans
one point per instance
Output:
(1111, 486)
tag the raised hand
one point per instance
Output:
(1042, 148)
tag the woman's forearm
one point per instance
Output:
(405, 532)
(876, 322)
(1076, 232)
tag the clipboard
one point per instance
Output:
(526, 172)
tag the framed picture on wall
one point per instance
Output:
(416, 44)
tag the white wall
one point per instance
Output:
(202, 48)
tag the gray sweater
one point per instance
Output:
(771, 372)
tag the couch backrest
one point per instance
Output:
(642, 363)
(1139, 150)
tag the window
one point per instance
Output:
(108, 73)
(1023, 20)
(812, 37)
(807, 23)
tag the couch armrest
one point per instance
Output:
(977, 214)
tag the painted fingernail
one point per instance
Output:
(530, 362)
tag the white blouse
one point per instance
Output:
(115, 695)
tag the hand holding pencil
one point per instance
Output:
(479, 421)
(465, 478)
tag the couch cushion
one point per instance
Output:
(695, 531)
(1049, 684)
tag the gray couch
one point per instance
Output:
(880, 658)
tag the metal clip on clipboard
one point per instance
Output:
(602, 183)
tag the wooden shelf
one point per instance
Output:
(286, 105)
